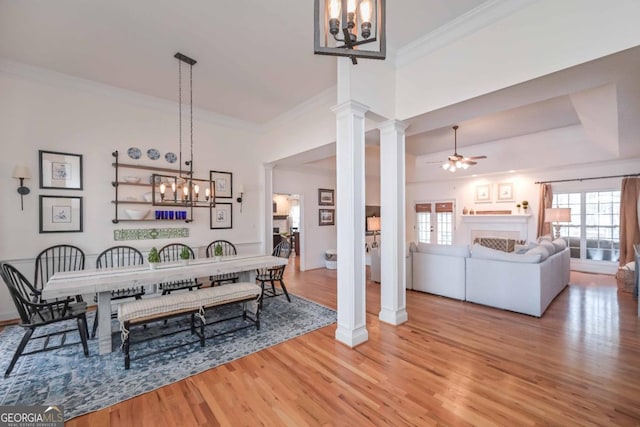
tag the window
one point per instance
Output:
(434, 222)
(594, 230)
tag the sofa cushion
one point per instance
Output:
(550, 246)
(448, 250)
(541, 250)
(481, 252)
(560, 244)
(545, 237)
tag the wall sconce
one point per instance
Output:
(22, 172)
(239, 199)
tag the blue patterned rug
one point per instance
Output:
(85, 384)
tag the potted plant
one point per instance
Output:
(217, 252)
(525, 205)
(185, 255)
(153, 258)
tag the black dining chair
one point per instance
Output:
(274, 274)
(36, 314)
(119, 256)
(53, 260)
(228, 248)
(171, 253)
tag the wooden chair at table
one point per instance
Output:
(34, 314)
(228, 248)
(119, 256)
(53, 260)
(171, 253)
(274, 274)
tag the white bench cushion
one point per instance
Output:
(185, 301)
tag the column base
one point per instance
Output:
(352, 337)
(393, 317)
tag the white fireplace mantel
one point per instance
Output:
(488, 219)
(497, 225)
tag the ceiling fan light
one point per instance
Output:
(458, 164)
(445, 166)
(465, 166)
(452, 169)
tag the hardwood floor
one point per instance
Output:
(452, 363)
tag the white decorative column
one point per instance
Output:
(393, 308)
(268, 202)
(352, 314)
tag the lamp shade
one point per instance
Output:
(373, 223)
(557, 215)
(21, 171)
(240, 188)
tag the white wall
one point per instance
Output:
(49, 112)
(537, 40)
(314, 239)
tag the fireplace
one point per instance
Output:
(514, 227)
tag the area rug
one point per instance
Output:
(85, 384)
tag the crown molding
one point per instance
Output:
(66, 81)
(327, 98)
(470, 22)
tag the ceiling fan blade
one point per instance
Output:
(469, 162)
(476, 157)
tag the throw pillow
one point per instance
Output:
(541, 251)
(481, 252)
(560, 244)
(550, 247)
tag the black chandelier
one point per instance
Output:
(342, 27)
(183, 189)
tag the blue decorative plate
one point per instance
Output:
(170, 157)
(134, 153)
(153, 154)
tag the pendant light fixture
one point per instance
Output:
(183, 189)
(342, 27)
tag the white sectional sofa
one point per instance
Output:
(522, 282)
(440, 269)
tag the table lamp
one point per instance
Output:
(555, 215)
(373, 224)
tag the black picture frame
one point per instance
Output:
(223, 183)
(61, 214)
(60, 171)
(325, 197)
(221, 216)
(326, 217)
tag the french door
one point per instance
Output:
(434, 222)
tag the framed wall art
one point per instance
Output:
(504, 192)
(224, 183)
(221, 216)
(59, 214)
(483, 193)
(326, 216)
(60, 170)
(325, 197)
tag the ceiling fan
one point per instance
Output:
(458, 161)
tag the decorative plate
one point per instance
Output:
(134, 153)
(170, 157)
(153, 154)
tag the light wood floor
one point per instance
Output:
(453, 363)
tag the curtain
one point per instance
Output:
(546, 197)
(629, 212)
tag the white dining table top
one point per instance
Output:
(70, 283)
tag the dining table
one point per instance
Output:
(105, 280)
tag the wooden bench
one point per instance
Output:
(194, 303)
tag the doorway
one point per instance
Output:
(286, 210)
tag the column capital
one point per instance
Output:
(393, 125)
(350, 106)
